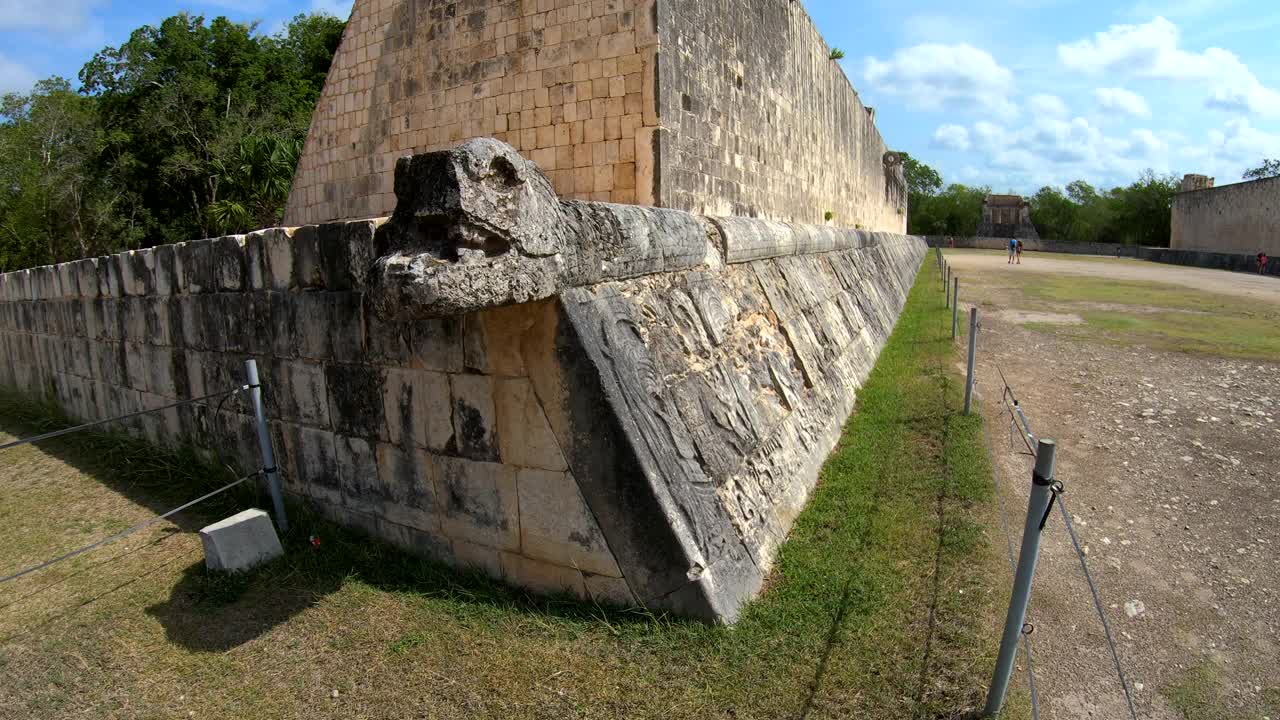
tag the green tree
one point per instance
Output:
(55, 204)
(1053, 213)
(921, 179)
(1139, 213)
(184, 105)
(1269, 168)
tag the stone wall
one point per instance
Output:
(560, 81)
(757, 120)
(622, 403)
(1240, 218)
(426, 434)
(721, 108)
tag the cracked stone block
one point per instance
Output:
(557, 526)
(524, 435)
(241, 542)
(542, 577)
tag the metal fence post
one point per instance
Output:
(955, 307)
(1038, 507)
(973, 351)
(264, 443)
(946, 285)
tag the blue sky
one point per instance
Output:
(1024, 93)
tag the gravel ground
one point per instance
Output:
(1166, 460)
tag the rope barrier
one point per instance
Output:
(1097, 604)
(1008, 537)
(67, 431)
(1016, 416)
(125, 533)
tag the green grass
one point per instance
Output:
(1160, 316)
(1199, 694)
(1028, 254)
(881, 603)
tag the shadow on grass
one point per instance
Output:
(214, 612)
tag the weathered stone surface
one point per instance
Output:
(645, 434)
(475, 427)
(542, 577)
(557, 526)
(479, 503)
(711, 106)
(479, 226)
(524, 433)
(241, 542)
(418, 407)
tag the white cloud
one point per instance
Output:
(15, 77)
(937, 77)
(987, 135)
(1043, 104)
(1238, 143)
(952, 137)
(1123, 101)
(340, 9)
(61, 16)
(1144, 143)
(1151, 51)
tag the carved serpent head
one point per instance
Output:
(478, 200)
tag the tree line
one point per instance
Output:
(1137, 213)
(190, 129)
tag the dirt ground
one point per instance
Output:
(1256, 287)
(1167, 462)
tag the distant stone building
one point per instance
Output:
(1237, 218)
(1007, 216)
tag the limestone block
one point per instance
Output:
(241, 542)
(68, 280)
(469, 556)
(299, 390)
(524, 434)
(419, 409)
(405, 487)
(355, 400)
(229, 263)
(108, 277)
(256, 271)
(308, 266)
(541, 577)
(475, 427)
(436, 344)
(478, 502)
(347, 253)
(411, 539)
(277, 255)
(557, 526)
(193, 266)
(315, 457)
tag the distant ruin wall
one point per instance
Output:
(716, 108)
(758, 120)
(1240, 218)
(621, 403)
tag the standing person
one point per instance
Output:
(1013, 249)
(1019, 252)
(1262, 262)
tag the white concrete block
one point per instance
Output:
(241, 542)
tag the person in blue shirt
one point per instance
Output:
(1013, 249)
